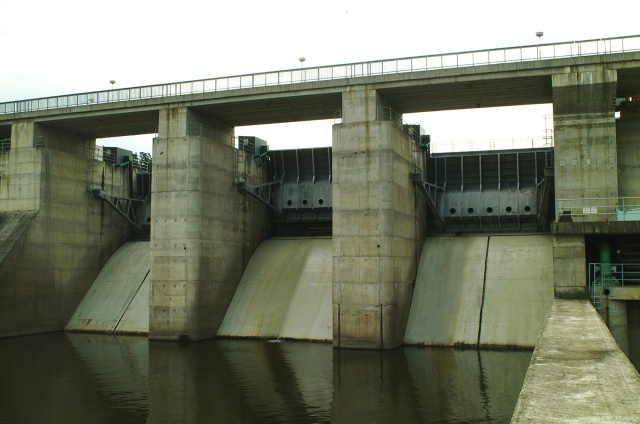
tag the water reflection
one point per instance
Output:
(80, 378)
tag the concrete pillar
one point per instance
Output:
(628, 141)
(569, 267)
(56, 236)
(203, 231)
(378, 225)
(617, 316)
(586, 162)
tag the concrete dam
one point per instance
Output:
(466, 249)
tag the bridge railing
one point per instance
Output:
(334, 72)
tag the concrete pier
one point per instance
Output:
(585, 152)
(57, 237)
(203, 230)
(378, 224)
(578, 374)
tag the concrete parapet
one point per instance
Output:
(577, 372)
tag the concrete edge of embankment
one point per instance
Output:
(577, 372)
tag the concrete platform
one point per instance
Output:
(577, 373)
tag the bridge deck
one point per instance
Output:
(577, 372)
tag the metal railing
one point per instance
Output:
(335, 72)
(490, 145)
(603, 275)
(5, 145)
(598, 209)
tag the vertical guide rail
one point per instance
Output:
(596, 286)
(239, 176)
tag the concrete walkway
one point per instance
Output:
(577, 373)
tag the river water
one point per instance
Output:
(86, 378)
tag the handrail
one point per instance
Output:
(334, 72)
(598, 209)
(494, 145)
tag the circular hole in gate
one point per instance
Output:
(470, 210)
(489, 209)
(320, 201)
(509, 209)
(452, 211)
(304, 202)
(289, 203)
(527, 208)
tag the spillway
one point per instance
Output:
(118, 300)
(470, 291)
(285, 292)
(482, 291)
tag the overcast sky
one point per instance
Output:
(70, 46)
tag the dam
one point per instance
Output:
(374, 243)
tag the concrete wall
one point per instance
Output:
(56, 258)
(378, 226)
(203, 232)
(585, 153)
(628, 140)
(569, 266)
(577, 373)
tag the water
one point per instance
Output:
(84, 378)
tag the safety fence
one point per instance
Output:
(334, 72)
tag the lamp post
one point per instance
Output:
(302, 76)
(539, 34)
(112, 82)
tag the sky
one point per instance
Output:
(72, 46)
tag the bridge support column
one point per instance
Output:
(585, 153)
(203, 231)
(378, 224)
